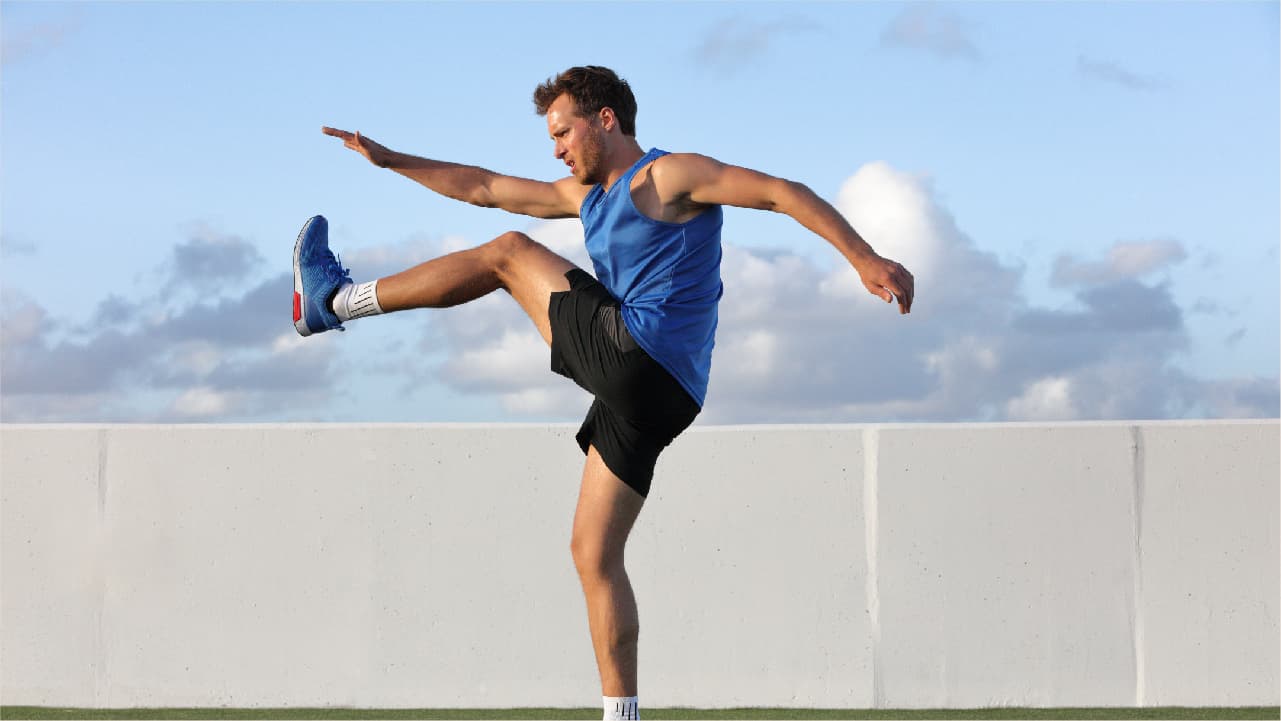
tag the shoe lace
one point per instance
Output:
(333, 268)
(334, 272)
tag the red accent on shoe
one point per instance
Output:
(297, 306)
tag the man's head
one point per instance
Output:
(584, 107)
(592, 88)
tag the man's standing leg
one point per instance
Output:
(607, 509)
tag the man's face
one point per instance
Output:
(580, 142)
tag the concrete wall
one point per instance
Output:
(839, 566)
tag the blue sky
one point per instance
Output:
(1091, 188)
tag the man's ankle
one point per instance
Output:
(621, 708)
(356, 300)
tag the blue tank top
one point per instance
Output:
(666, 276)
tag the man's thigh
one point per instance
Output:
(531, 273)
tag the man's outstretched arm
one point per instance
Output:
(471, 184)
(705, 181)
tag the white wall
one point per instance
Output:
(835, 566)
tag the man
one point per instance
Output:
(638, 337)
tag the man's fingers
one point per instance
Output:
(902, 291)
(905, 290)
(892, 294)
(353, 141)
(905, 299)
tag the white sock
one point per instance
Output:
(621, 708)
(356, 300)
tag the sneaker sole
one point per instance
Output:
(300, 322)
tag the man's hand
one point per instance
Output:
(373, 152)
(887, 280)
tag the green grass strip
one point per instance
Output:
(653, 714)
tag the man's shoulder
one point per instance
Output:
(680, 160)
(573, 191)
(681, 171)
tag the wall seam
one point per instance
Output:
(100, 691)
(871, 543)
(1137, 626)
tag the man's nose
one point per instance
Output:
(558, 151)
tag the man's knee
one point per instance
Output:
(510, 253)
(509, 247)
(593, 557)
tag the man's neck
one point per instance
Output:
(620, 160)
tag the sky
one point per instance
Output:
(1087, 194)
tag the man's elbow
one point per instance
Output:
(787, 196)
(481, 197)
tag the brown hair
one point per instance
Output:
(591, 87)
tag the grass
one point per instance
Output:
(651, 714)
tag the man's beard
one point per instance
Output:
(591, 156)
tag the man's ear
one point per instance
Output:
(607, 119)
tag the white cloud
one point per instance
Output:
(202, 403)
(289, 341)
(564, 238)
(23, 43)
(23, 319)
(377, 261)
(1134, 259)
(755, 357)
(508, 360)
(198, 358)
(210, 259)
(1048, 399)
(187, 358)
(1110, 72)
(928, 27)
(11, 247)
(759, 278)
(1241, 398)
(813, 345)
(60, 408)
(566, 401)
(734, 42)
(1125, 259)
(894, 212)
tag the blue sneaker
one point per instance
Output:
(317, 274)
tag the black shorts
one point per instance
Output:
(639, 406)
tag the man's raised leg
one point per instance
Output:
(607, 509)
(512, 261)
